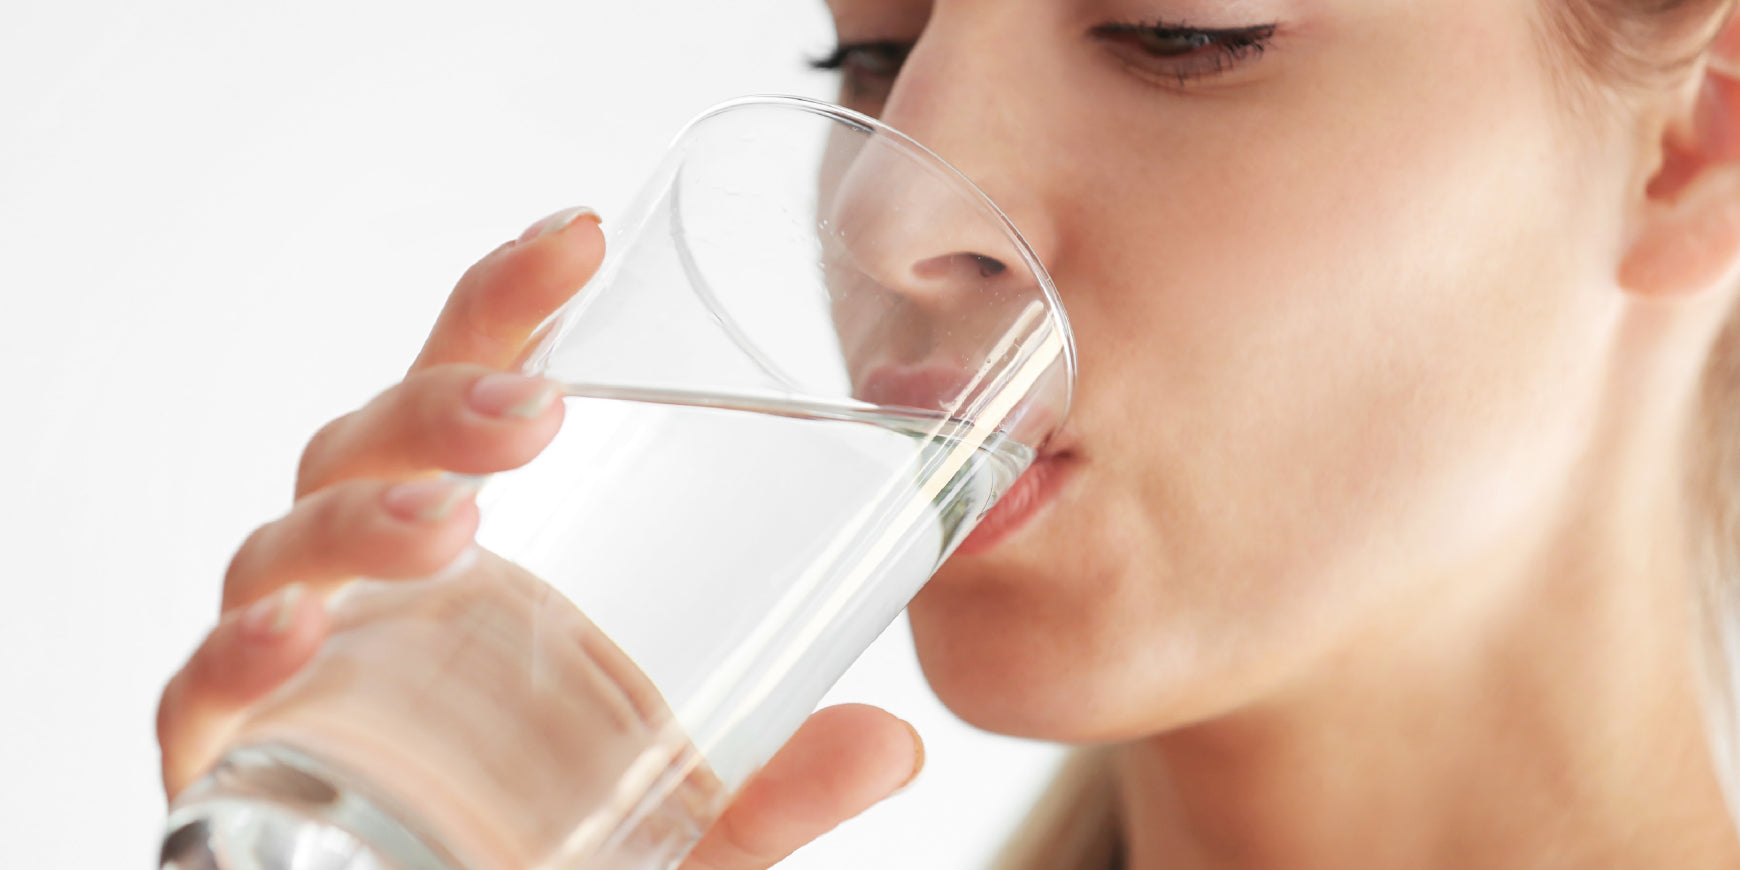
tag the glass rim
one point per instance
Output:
(916, 150)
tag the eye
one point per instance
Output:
(1172, 43)
(1183, 54)
(867, 69)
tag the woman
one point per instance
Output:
(1408, 361)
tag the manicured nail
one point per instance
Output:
(917, 755)
(557, 222)
(505, 395)
(270, 617)
(427, 501)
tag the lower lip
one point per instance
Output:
(1031, 492)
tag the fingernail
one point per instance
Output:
(270, 617)
(557, 222)
(917, 755)
(505, 395)
(427, 501)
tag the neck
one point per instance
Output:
(1543, 712)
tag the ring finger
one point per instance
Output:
(359, 528)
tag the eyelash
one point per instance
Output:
(849, 58)
(1210, 51)
(846, 51)
(1207, 51)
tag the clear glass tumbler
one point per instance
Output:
(814, 357)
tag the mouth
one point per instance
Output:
(940, 388)
(1036, 488)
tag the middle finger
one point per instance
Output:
(462, 418)
(360, 528)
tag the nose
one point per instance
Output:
(975, 92)
(951, 277)
(927, 239)
(923, 267)
(939, 301)
(919, 229)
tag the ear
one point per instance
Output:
(1688, 237)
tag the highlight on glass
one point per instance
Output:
(814, 357)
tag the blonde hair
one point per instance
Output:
(1717, 484)
(1074, 826)
(1644, 44)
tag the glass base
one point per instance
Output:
(270, 807)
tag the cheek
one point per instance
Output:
(1366, 328)
(1352, 349)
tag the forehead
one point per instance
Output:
(855, 10)
(864, 13)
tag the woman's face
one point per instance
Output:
(1340, 277)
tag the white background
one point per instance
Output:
(222, 223)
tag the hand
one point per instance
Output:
(368, 504)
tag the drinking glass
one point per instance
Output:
(813, 358)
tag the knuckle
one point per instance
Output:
(479, 271)
(349, 528)
(169, 708)
(332, 520)
(287, 545)
(242, 566)
(434, 416)
(459, 439)
(424, 550)
(199, 678)
(318, 453)
(466, 447)
(426, 422)
(740, 845)
(443, 383)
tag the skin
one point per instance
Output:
(1373, 546)
(366, 506)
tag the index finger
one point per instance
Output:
(503, 298)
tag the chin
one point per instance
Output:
(1008, 661)
(1078, 660)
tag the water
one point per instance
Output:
(769, 540)
(730, 557)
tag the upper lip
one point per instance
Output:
(931, 387)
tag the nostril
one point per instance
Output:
(959, 266)
(988, 266)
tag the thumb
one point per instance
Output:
(842, 761)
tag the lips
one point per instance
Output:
(1031, 492)
(940, 388)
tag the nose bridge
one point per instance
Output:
(948, 100)
(954, 96)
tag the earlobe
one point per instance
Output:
(1690, 245)
(1689, 238)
